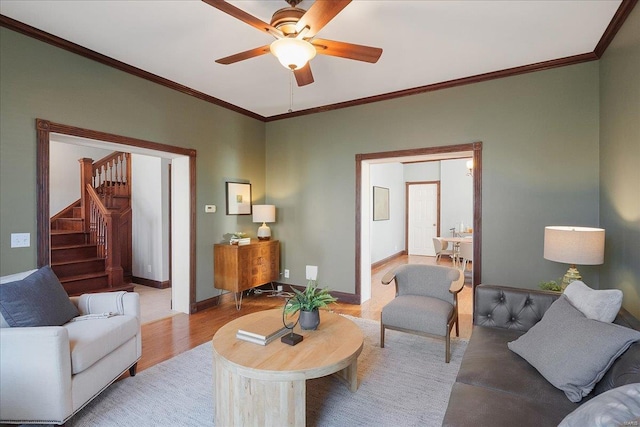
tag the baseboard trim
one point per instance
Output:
(151, 283)
(387, 259)
(211, 302)
(204, 304)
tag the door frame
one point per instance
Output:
(44, 128)
(406, 210)
(361, 159)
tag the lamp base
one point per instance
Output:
(571, 275)
(291, 339)
(264, 232)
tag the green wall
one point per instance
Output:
(40, 81)
(620, 162)
(560, 147)
(540, 167)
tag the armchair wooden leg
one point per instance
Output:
(132, 370)
(447, 355)
(381, 335)
(457, 328)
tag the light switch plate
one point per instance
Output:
(209, 208)
(20, 240)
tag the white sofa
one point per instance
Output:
(49, 373)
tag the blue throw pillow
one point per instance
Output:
(37, 300)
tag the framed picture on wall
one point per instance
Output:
(380, 203)
(238, 198)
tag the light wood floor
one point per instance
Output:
(154, 303)
(165, 338)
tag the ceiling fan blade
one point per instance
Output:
(319, 14)
(243, 16)
(252, 53)
(303, 75)
(347, 50)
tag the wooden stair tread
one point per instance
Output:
(125, 287)
(82, 277)
(76, 261)
(68, 232)
(79, 245)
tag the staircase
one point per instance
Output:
(90, 239)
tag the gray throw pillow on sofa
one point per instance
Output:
(571, 351)
(37, 300)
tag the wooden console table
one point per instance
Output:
(238, 268)
(258, 385)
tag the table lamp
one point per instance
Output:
(574, 245)
(264, 214)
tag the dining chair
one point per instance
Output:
(442, 248)
(466, 254)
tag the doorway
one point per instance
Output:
(183, 207)
(363, 203)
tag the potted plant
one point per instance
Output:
(307, 303)
(551, 285)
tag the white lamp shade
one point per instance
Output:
(264, 213)
(574, 245)
(292, 53)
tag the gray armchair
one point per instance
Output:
(426, 302)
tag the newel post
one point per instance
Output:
(113, 266)
(86, 177)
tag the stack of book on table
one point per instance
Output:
(240, 241)
(263, 331)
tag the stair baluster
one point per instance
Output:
(104, 229)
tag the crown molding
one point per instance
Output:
(56, 41)
(616, 23)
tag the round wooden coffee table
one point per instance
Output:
(266, 385)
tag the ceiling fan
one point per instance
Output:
(295, 30)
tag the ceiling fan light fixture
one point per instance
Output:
(293, 53)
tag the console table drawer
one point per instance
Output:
(238, 268)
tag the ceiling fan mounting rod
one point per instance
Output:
(293, 3)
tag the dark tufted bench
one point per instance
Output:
(496, 387)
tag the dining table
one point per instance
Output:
(456, 246)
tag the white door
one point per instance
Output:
(422, 218)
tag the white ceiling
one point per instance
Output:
(424, 42)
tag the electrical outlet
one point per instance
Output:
(286, 274)
(312, 272)
(20, 240)
(149, 268)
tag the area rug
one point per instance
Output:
(407, 383)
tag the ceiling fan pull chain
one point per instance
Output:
(291, 92)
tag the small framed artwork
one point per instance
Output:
(380, 203)
(238, 198)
